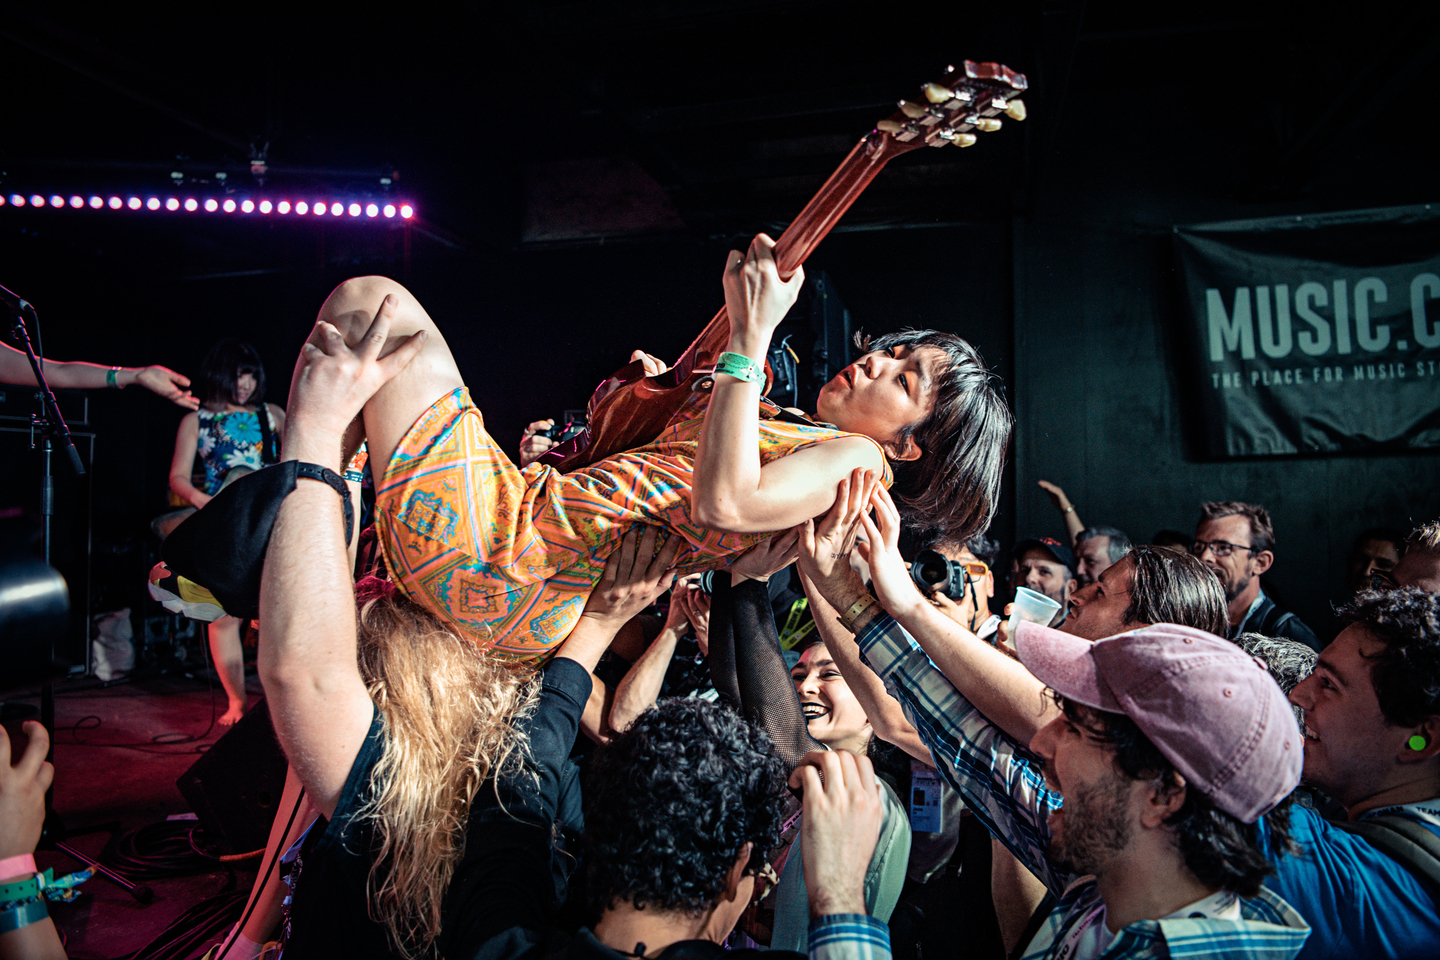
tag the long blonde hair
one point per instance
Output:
(449, 712)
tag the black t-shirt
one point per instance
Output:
(329, 912)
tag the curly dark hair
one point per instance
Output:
(670, 802)
(1219, 849)
(222, 369)
(1173, 587)
(1406, 674)
(952, 491)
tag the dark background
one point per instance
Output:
(580, 168)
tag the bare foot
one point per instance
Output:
(232, 716)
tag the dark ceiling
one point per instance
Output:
(530, 124)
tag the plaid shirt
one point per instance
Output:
(849, 936)
(1002, 784)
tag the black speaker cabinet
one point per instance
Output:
(235, 787)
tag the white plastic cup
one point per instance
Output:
(1031, 607)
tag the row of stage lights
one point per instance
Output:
(388, 211)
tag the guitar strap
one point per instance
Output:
(269, 449)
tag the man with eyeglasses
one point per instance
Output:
(972, 609)
(1236, 540)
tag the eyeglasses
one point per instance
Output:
(1221, 548)
(975, 569)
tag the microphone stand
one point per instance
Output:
(53, 429)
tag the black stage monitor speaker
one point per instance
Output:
(235, 787)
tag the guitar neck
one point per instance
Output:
(826, 208)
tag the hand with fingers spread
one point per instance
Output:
(756, 298)
(635, 576)
(839, 827)
(889, 572)
(334, 380)
(825, 545)
(765, 559)
(22, 792)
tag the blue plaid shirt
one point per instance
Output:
(1001, 784)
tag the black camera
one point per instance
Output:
(562, 430)
(934, 572)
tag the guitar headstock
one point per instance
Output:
(954, 110)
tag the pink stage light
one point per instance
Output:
(353, 209)
(407, 211)
(247, 206)
(153, 203)
(283, 206)
(191, 205)
(2, 200)
(133, 203)
(389, 210)
(171, 203)
(57, 201)
(211, 205)
(228, 206)
(116, 203)
(77, 202)
(36, 200)
(302, 208)
(337, 208)
(265, 206)
(371, 210)
(17, 200)
(96, 203)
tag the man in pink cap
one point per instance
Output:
(1139, 805)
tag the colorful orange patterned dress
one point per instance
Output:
(509, 556)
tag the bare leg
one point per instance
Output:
(229, 660)
(351, 308)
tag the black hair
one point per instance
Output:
(1218, 848)
(1173, 587)
(1406, 674)
(670, 802)
(985, 550)
(1173, 539)
(226, 362)
(952, 491)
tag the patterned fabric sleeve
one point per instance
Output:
(849, 936)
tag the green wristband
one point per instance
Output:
(20, 889)
(740, 367)
(22, 916)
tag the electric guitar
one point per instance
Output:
(630, 409)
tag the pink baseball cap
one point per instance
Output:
(1212, 710)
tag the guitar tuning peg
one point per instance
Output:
(987, 124)
(889, 126)
(912, 110)
(936, 93)
(1015, 109)
(964, 140)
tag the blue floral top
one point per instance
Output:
(229, 440)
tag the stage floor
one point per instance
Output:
(118, 753)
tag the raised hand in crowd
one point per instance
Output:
(1066, 508)
(22, 816)
(839, 827)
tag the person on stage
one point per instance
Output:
(234, 433)
(507, 557)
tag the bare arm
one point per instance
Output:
(1073, 525)
(22, 814)
(999, 687)
(732, 492)
(78, 375)
(318, 701)
(182, 463)
(883, 711)
(640, 687)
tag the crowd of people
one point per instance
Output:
(702, 695)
